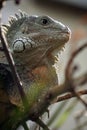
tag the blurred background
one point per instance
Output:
(72, 13)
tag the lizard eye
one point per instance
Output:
(44, 21)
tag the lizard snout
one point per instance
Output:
(67, 30)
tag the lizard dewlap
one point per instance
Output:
(32, 41)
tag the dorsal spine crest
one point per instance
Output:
(15, 22)
(14, 25)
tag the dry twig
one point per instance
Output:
(12, 66)
(71, 95)
(69, 73)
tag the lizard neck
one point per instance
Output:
(39, 73)
(36, 80)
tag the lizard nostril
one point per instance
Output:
(67, 30)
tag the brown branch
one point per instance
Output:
(40, 123)
(79, 97)
(74, 54)
(70, 95)
(10, 60)
(69, 73)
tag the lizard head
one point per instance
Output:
(31, 38)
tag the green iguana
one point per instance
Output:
(34, 42)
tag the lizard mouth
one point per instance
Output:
(60, 42)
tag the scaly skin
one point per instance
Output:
(33, 41)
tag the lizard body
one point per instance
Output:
(33, 41)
